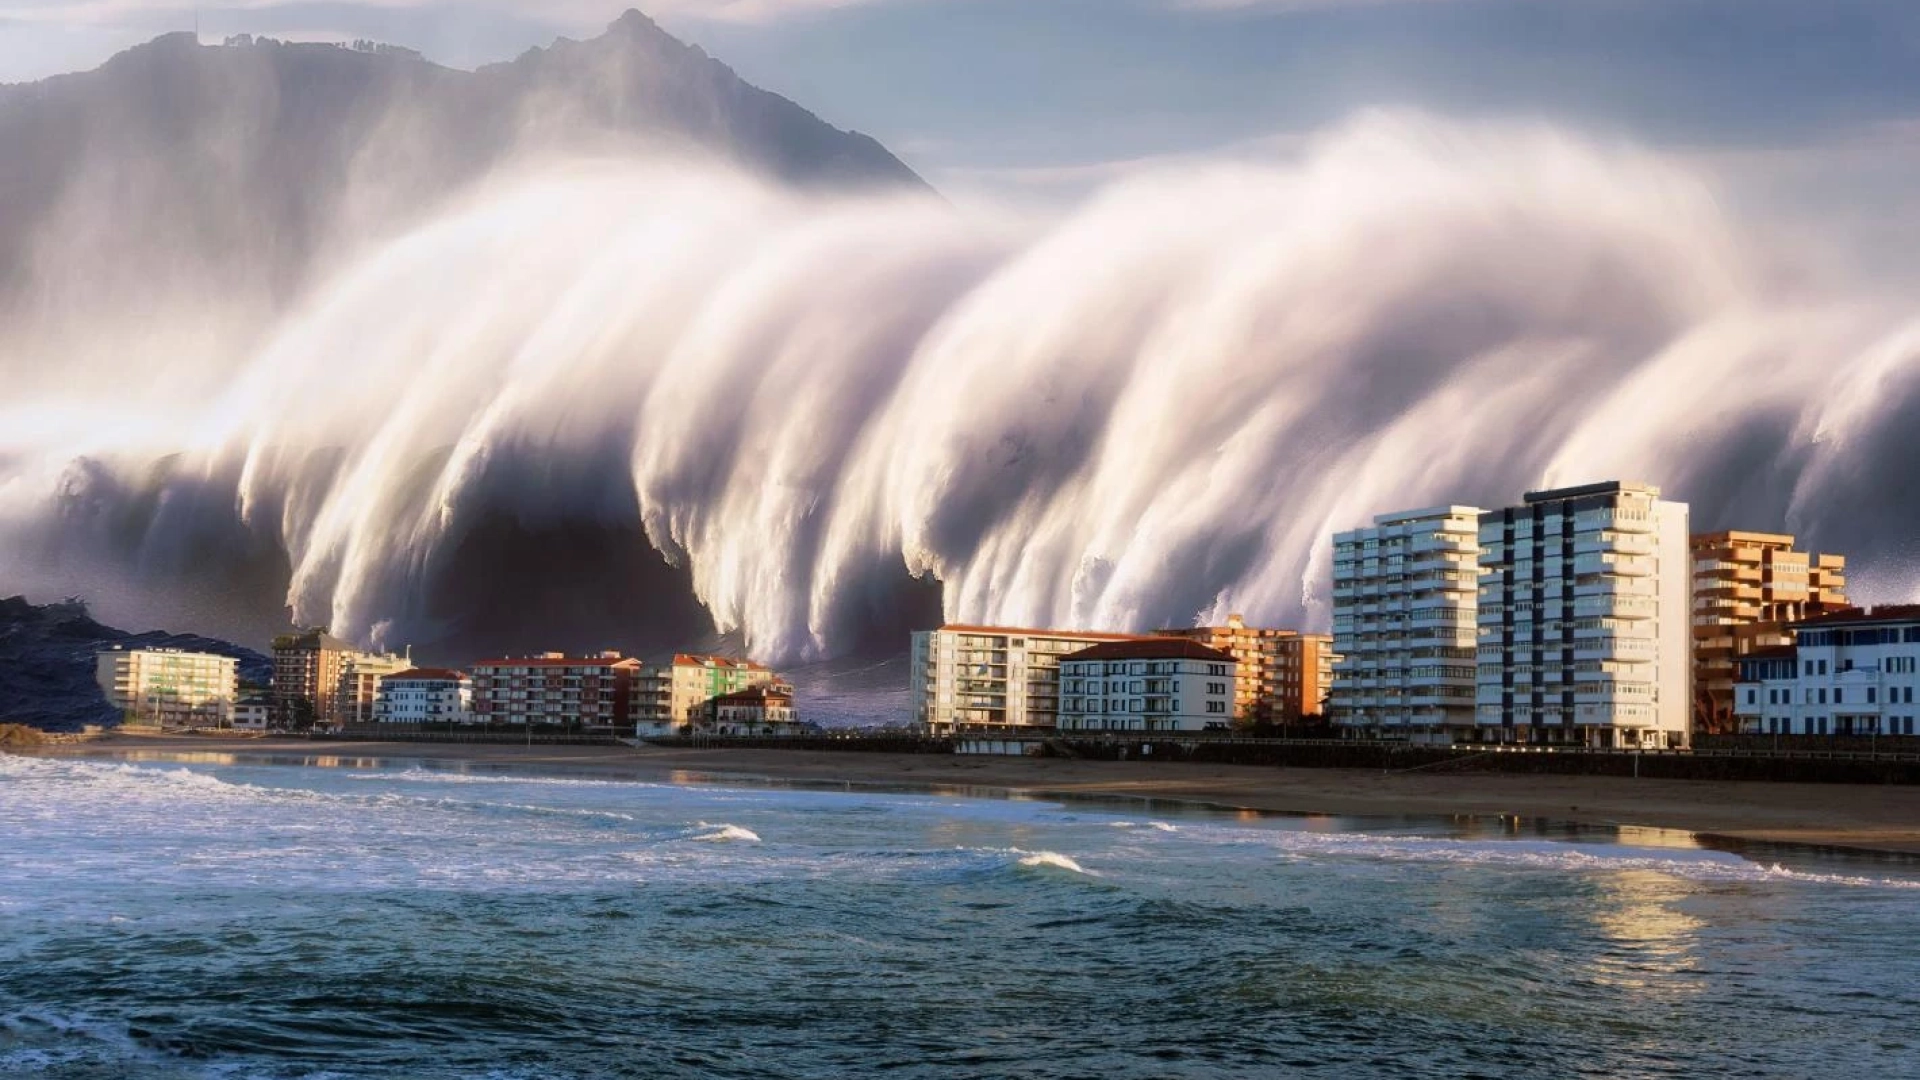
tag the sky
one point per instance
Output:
(1802, 100)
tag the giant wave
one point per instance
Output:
(1150, 409)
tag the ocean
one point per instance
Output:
(377, 919)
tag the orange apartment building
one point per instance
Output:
(671, 698)
(1747, 588)
(1282, 675)
(306, 675)
(319, 677)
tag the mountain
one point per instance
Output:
(202, 185)
(47, 662)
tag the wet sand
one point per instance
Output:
(1879, 818)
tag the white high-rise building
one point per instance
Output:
(992, 676)
(1404, 595)
(1585, 619)
(170, 687)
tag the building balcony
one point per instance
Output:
(1463, 542)
(1615, 586)
(1619, 543)
(1617, 564)
(1628, 650)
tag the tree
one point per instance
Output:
(301, 714)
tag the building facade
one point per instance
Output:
(992, 676)
(1850, 672)
(1282, 675)
(424, 696)
(759, 710)
(1150, 684)
(1585, 619)
(1748, 588)
(306, 676)
(1405, 594)
(553, 689)
(253, 713)
(670, 698)
(360, 676)
(169, 687)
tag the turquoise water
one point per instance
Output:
(236, 920)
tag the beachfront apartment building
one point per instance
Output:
(1849, 672)
(671, 698)
(1748, 588)
(554, 689)
(170, 687)
(424, 696)
(360, 677)
(1282, 675)
(1149, 684)
(1405, 594)
(978, 677)
(319, 678)
(1585, 619)
(306, 675)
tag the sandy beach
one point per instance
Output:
(1876, 818)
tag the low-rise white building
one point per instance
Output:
(170, 687)
(1150, 684)
(1852, 672)
(253, 713)
(424, 696)
(758, 710)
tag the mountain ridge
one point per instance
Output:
(47, 662)
(219, 180)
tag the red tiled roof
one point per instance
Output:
(1883, 613)
(754, 695)
(429, 673)
(1165, 648)
(568, 661)
(704, 660)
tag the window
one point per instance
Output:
(1216, 706)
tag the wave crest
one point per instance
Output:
(1153, 409)
(723, 833)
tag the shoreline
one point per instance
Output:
(1872, 819)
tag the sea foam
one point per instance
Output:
(725, 832)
